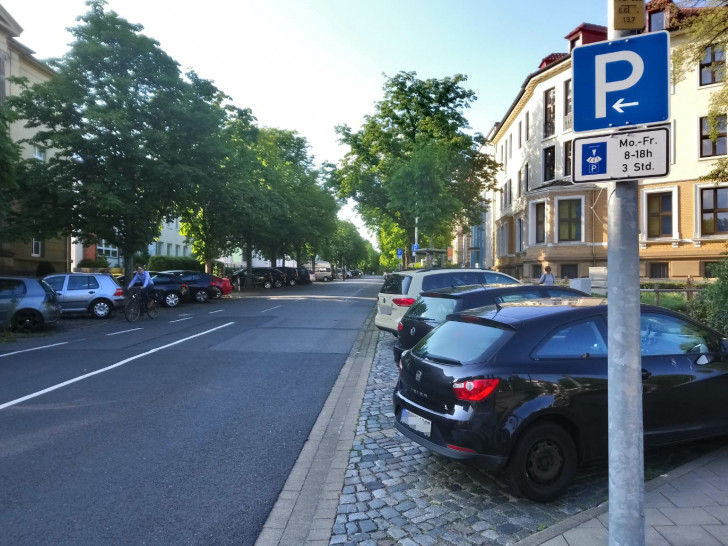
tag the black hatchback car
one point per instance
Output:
(523, 388)
(433, 306)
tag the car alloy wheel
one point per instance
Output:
(100, 308)
(201, 296)
(215, 293)
(171, 299)
(267, 284)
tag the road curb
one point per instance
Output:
(305, 511)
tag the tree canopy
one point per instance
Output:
(413, 163)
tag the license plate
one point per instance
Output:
(385, 309)
(414, 421)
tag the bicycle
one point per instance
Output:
(136, 306)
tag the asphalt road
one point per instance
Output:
(178, 430)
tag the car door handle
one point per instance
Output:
(645, 375)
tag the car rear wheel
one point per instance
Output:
(27, 320)
(100, 308)
(278, 283)
(215, 293)
(542, 463)
(201, 296)
(171, 299)
(292, 282)
(267, 284)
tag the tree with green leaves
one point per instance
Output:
(706, 24)
(347, 247)
(9, 157)
(413, 160)
(120, 122)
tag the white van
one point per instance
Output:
(323, 271)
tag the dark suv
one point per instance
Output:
(196, 285)
(432, 306)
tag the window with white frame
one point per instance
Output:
(712, 144)
(526, 170)
(519, 234)
(36, 248)
(503, 239)
(568, 103)
(549, 163)
(508, 193)
(528, 127)
(712, 66)
(549, 112)
(537, 222)
(567, 158)
(520, 134)
(106, 249)
(660, 213)
(39, 153)
(569, 219)
(657, 20)
(714, 210)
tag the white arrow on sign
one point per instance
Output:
(619, 104)
(603, 86)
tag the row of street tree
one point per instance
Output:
(132, 143)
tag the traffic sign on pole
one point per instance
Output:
(622, 155)
(622, 82)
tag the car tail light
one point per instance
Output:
(399, 327)
(461, 448)
(118, 292)
(403, 302)
(474, 390)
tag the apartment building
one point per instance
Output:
(24, 257)
(539, 217)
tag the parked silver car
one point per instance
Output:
(95, 293)
(27, 303)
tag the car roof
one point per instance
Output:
(525, 311)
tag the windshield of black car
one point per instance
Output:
(431, 308)
(462, 342)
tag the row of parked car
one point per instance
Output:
(513, 377)
(27, 303)
(269, 277)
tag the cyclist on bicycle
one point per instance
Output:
(145, 280)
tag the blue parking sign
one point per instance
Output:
(622, 82)
(594, 159)
(399, 253)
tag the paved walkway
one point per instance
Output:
(688, 506)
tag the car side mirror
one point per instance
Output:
(704, 359)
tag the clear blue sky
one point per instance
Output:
(309, 65)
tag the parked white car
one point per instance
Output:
(402, 288)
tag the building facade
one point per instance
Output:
(17, 60)
(539, 217)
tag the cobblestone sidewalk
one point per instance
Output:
(399, 493)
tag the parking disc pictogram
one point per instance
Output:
(622, 82)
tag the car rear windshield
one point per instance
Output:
(430, 308)
(459, 342)
(452, 278)
(396, 284)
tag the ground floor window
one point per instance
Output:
(36, 248)
(569, 271)
(536, 271)
(659, 214)
(659, 270)
(714, 211)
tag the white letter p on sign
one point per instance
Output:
(602, 86)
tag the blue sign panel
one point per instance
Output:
(594, 159)
(399, 253)
(622, 82)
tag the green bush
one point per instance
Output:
(164, 263)
(99, 262)
(711, 304)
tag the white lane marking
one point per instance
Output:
(271, 309)
(180, 320)
(33, 349)
(124, 332)
(218, 311)
(102, 370)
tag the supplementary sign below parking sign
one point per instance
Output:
(622, 82)
(622, 156)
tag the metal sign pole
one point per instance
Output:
(626, 451)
